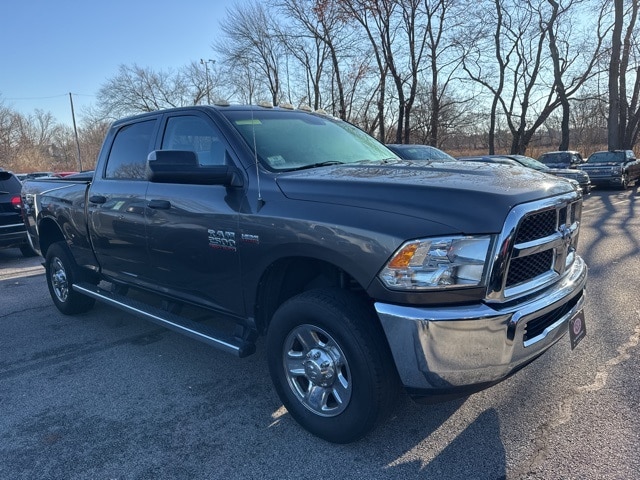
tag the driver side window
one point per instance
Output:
(189, 132)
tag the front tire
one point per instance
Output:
(62, 272)
(330, 364)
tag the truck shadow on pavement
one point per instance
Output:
(107, 395)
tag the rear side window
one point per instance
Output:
(131, 146)
(9, 183)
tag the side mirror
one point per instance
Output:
(181, 166)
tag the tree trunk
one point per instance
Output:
(613, 137)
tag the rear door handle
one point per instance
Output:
(97, 199)
(160, 204)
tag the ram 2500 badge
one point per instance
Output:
(366, 273)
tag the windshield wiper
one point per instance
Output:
(318, 164)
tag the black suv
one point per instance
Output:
(13, 232)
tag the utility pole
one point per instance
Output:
(206, 73)
(75, 130)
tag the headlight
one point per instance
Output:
(437, 263)
(616, 170)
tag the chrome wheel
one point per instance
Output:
(62, 273)
(317, 370)
(330, 364)
(59, 281)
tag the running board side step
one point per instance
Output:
(185, 326)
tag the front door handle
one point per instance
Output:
(160, 204)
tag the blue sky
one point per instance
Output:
(53, 47)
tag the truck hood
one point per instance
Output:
(564, 171)
(586, 166)
(468, 197)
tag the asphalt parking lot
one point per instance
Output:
(105, 395)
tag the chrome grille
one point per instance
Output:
(537, 226)
(536, 247)
(526, 268)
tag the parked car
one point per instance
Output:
(39, 174)
(13, 233)
(562, 159)
(616, 167)
(582, 178)
(419, 152)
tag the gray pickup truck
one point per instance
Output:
(366, 273)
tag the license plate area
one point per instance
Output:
(577, 329)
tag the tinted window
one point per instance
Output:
(420, 152)
(558, 158)
(9, 183)
(128, 156)
(197, 135)
(607, 157)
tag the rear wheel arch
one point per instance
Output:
(62, 273)
(49, 233)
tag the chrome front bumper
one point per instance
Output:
(457, 349)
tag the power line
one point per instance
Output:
(45, 98)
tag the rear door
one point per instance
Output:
(116, 207)
(193, 229)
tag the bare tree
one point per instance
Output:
(564, 57)
(332, 46)
(375, 18)
(530, 84)
(136, 89)
(7, 137)
(614, 75)
(251, 43)
(624, 106)
(478, 51)
(441, 16)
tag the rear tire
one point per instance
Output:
(331, 365)
(62, 272)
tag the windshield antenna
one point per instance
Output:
(255, 158)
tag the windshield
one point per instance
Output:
(607, 157)
(420, 152)
(294, 139)
(530, 162)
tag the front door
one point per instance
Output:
(192, 229)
